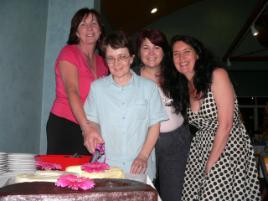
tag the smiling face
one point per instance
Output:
(151, 55)
(184, 58)
(119, 61)
(88, 30)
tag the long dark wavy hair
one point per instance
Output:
(204, 66)
(158, 38)
(76, 20)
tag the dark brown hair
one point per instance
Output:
(117, 39)
(155, 36)
(76, 20)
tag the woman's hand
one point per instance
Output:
(209, 165)
(92, 136)
(139, 165)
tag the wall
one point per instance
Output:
(32, 33)
(22, 39)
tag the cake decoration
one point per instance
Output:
(74, 182)
(95, 167)
(112, 172)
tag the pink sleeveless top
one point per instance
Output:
(73, 54)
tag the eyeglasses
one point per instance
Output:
(119, 59)
(184, 53)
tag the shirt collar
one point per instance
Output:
(130, 82)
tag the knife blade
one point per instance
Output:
(96, 156)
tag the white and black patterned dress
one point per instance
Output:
(234, 176)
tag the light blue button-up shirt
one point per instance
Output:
(124, 114)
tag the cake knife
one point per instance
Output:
(96, 156)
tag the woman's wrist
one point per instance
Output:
(85, 126)
(143, 156)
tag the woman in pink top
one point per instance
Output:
(77, 66)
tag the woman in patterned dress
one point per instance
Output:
(221, 164)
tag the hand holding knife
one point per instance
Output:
(98, 153)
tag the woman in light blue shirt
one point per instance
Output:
(127, 109)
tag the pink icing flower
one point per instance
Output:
(74, 182)
(47, 166)
(95, 167)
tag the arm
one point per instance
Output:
(91, 133)
(139, 165)
(69, 76)
(221, 84)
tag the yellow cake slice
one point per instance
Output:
(39, 176)
(113, 173)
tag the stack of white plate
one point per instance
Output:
(21, 162)
(3, 162)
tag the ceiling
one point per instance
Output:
(259, 19)
(131, 16)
